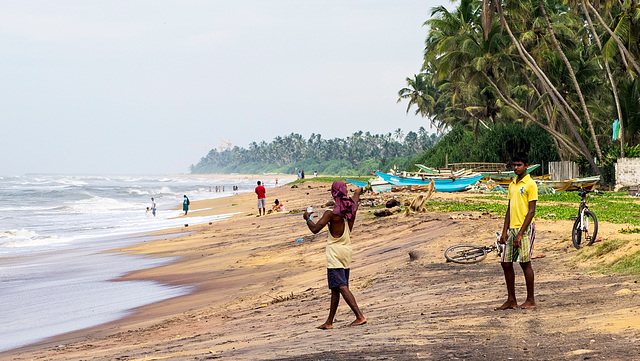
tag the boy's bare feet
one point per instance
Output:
(325, 326)
(528, 305)
(358, 322)
(507, 306)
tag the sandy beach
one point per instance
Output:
(260, 293)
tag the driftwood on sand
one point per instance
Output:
(417, 204)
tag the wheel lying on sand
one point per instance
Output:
(465, 253)
(586, 235)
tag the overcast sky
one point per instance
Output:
(148, 87)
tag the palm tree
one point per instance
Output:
(398, 134)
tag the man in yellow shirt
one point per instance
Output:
(519, 232)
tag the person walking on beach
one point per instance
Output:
(153, 206)
(519, 232)
(185, 204)
(261, 192)
(338, 251)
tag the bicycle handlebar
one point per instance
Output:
(583, 192)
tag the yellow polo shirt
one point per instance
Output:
(520, 194)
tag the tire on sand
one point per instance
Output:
(582, 238)
(465, 253)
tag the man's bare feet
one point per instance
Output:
(358, 322)
(325, 326)
(528, 305)
(507, 306)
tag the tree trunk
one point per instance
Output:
(614, 88)
(572, 148)
(615, 38)
(587, 116)
(555, 95)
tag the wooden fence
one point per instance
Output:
(563, 170)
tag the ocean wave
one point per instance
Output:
(151, 192)
(16, 238)
(95, 204)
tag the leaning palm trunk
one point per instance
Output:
(615, 38)
(614, 88)
(557, 98)
(587, 116)
(559, 138)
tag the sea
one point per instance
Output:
(55, 276)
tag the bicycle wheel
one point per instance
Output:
(585, 234)
(465, 253)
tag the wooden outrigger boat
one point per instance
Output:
(557, 185)
(441, 184)
(586, 183)
(572, 184)
(504, 178)
(378, 185)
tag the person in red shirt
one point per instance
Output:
(261, 192)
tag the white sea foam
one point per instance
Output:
(19, 238)
(55, 227)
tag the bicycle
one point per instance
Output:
(467, 253)
(581, 233)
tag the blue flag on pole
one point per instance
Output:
(616, 130)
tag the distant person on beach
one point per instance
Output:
(276, 182)
(277, 206)
(315, 174)
(338, 251)
(261, 192)
(185, 204)
(302, 174)
(519, 232)
(153, 206)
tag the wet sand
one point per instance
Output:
(260, 293)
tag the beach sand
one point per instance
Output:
(260, 293)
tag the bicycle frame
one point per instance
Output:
(584, 221)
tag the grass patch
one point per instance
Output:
(627, 264)
(611, 207)
(603, 248)
(629, 230)
(465, 206)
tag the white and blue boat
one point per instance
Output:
(442, 184)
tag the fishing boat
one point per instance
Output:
(586, 183)
(561, 185)
(441, 184)
(378, 185)
(572, 184)
(504, 178)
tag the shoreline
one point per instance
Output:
(260, 293)
(206, 208)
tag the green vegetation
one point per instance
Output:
(600, 249)
(629, 264)
(626, 263)
(629, 230)
(358, 154)
(496, 145)
(565, 67)
(466, 205)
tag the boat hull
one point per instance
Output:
(442, 185)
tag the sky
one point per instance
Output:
(149, 87)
